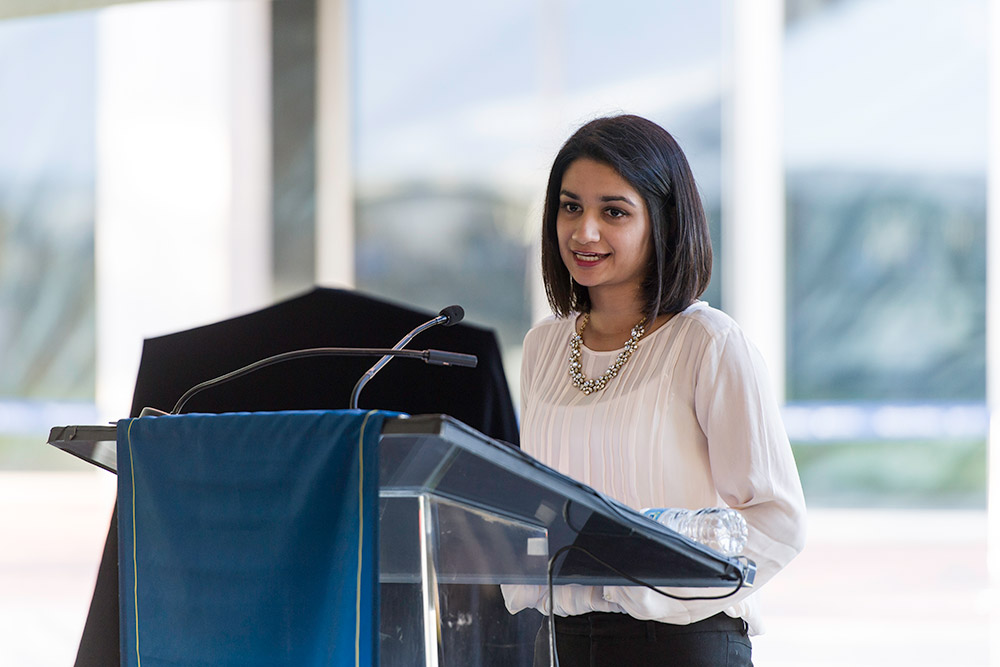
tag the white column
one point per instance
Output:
(753, 223)
(993, 295)
(183, 175)
(334, 181)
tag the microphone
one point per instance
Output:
(452, 315)
(434, 357)
(449, 316)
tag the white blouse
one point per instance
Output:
(690, 421)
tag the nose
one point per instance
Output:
(587, 230)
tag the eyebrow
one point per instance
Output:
(623, 198)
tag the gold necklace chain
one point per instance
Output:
(580, 381)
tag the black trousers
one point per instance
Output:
(611, 640)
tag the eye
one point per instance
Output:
(616, 212)
(570, 207)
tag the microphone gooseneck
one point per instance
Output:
(436, 357)
(447, 317)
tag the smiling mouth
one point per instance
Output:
(588, 257)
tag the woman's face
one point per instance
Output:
(605, 237)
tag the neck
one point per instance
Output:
(611, 317)
(610, 323)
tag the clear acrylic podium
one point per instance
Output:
(458, 509)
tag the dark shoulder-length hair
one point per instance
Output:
(646, 156)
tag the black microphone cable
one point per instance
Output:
(553, 654)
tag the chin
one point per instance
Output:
(584, 282)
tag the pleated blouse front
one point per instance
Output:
(690, 421)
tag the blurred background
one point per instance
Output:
(169, 164)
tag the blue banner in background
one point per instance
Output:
(249, 539)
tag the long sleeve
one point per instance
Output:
(751, 459)
(753, 471)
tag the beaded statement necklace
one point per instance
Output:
(580, 381)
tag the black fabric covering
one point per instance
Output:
(329, 318)
(323, 317)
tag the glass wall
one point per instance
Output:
(47, 330)
(458, 110)
(885, 147)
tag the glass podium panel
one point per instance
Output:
(461, 514)
(440, 565)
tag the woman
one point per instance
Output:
(648, 395)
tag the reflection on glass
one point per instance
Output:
(885, 150)
(47, 208)
(47, 316)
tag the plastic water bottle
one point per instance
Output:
(719, 528)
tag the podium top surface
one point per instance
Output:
(438, 456)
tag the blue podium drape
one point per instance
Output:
(249, 539)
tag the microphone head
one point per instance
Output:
(454, 315)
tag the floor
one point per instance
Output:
(877, 588)
(873, 588)
(52, 530)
